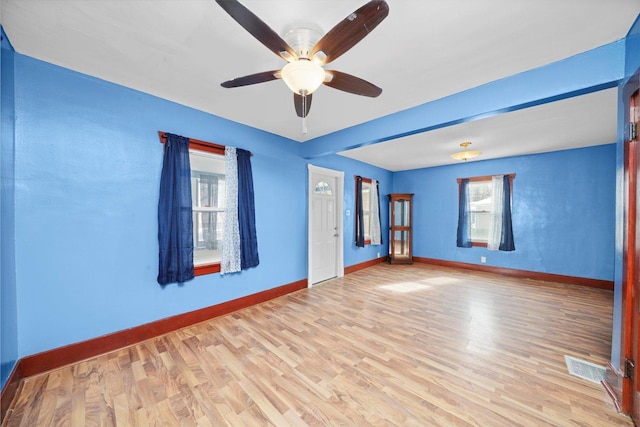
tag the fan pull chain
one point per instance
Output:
(304, 113)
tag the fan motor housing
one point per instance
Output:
(302, 40)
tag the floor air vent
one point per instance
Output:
(585, 370)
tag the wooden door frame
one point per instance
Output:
(630, 269)
(339, 193)
(631, 251)
(630, 297)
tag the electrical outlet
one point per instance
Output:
(483, 259)
(378, 255)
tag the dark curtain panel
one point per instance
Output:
(359, 214)
(175, 219)
(246, 212)
(464, 217)
(506, 236)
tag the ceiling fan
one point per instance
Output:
(306, 52)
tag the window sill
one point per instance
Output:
(201, 270)
(479, 244)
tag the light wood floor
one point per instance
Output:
(389, 345)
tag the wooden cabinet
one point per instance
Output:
(400, 229)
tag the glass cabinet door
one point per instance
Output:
(401, 213)
(401, 244)
(400, 240)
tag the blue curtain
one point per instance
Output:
(359, 214)
(246, 212)
(464, 218)
(506, 235)
(175, 219)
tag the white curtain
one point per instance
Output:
(230, 262)
(375, 232)
(497, 203)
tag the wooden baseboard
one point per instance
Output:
(363, 265)
(522, 274)
(58, 357)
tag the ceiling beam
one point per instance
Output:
(590, 71)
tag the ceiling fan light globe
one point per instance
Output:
(303, 76)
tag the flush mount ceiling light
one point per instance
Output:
(466, 154)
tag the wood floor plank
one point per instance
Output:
(413, 345)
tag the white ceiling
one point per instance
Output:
(581, 121)
(181, 50)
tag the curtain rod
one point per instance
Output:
(486, 177)
(196, 142)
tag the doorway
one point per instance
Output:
(325, 224)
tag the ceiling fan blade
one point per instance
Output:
(303, 104)
(352, 84)
(258, 29)
(350, 31)
(265, 76)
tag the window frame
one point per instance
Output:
(478, 243)
(208, 147)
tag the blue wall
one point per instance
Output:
(563, 211)
(8, 303)
(88, 165)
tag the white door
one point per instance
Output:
(325, 224)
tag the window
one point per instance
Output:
(366, 209)
(323, 188)
(485, 213)
(207, 196)
(207, 201)
(480, 212)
